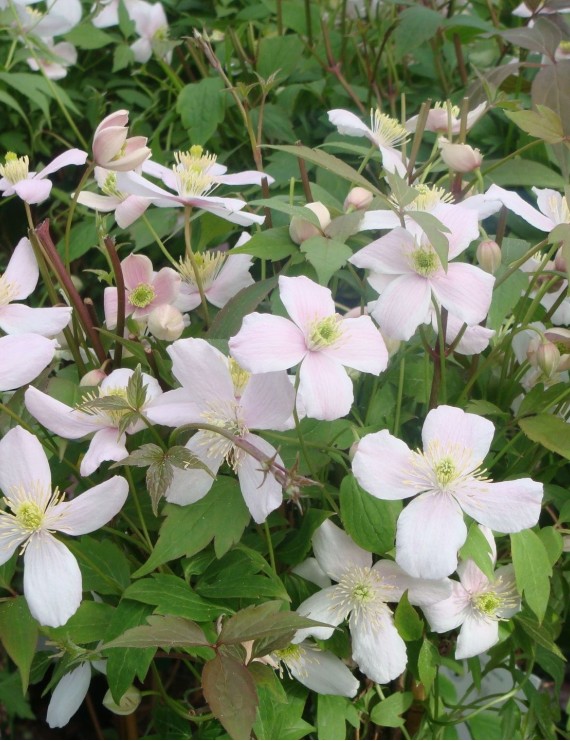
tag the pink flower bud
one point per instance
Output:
(300, 229)
(111, 148)
(357, 198)
(489, 256)
(128, 703)
(459, 157)
(166, 323)
(548, 358)
(93, 378)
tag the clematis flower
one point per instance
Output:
(16, 283)
(476, 604)
(408, 274)
(194, 176)
(33, 187)
(449, 480)
(73, 423)
(552, 207)
(319, 339)
(362, 595)
(112, 149)
(145, 289)
(68, 696)
(22, 358)
(474, 339)
(216, 391)
(459, 157)
(61, 56)
(151, 26)
(385, 132)
(127, 208)
(52, 579)
(444, 118)
(60, 17)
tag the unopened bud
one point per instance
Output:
(93, 378)
(166, 323)
(459, 157)
(357, 198)
(489, 256)
(300, 229)
(548, 358)
(560, 262)
(128, 703)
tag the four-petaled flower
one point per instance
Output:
(33, 187)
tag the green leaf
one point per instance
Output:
(552, 542)
(228, 321)
(271, 244)
(370, 522)
(298, 543)
(136, 390)
(388, 712)
(344, 226)
(331, 716)
(477, 548)
(524, 173)
(104, 566)
(282, 720)
(201, 107)
(505, 297)
(87, 36)
(19, 635)
(532, 570)
(543, 123)
(230, 692)
(162, 630)
(538, 634)
(87, 625)
(409, 624)
(434, 231)
(242, 573)
(550, 431)
(173, 596)
(281, 204)
(428, 661)
(221, 515)
(12, 697)
(279, 55)
(326, 256)
(262, 621)
(416, 25)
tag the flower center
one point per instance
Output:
(227, 417)
(240, 377)
(428, 198)
(425, 261)
(7, 291)
(109, 187)
(208, 264)
(15, 168)
(191, 171)
(110, 416)
(324, 332)
(564, 46)
(29, 515)
(143, 295)
(454, 110)
(559, 208)
(362, 592)
(445, 471)
(387, 131)
(292, 652)
(487, 604)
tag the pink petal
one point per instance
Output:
(551, 203)
(262, 493)
(247, 177)
(90, 510)
(233, 276)
(111, 306)
(377, 647)
(52, 580)
(174, 409)
(521, 208)
(58, 417)
(463, 225)
(267, 401)
(348, 124)
(473, 340)
(430, 532)
(421, 592)
(306, 301)
(188, 298)
(336, 552)
(97, 202)
(203, 372)
(451, 612)
(131, 182)
(325, 387)
(507, 507)
(71, 157)
(505, 586)
(108, 142)
(193, 484)
(22, 270)
(453, 432)
(136, 269)
(36, 351)
(403, 306)
(477, 635)
(18, 319)
(129, 210)
(382, 466)
(465, 291)
(166, 285)
(392, 160)
(389, 254)
(106, 445)
(361, 346)
(267, 343)
(33, 191)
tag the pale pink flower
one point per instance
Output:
(62, 56)
(318, 338)
(145, 289)
(112, 149)
(22, 358)
(52, 579)
(216, 391)
(449, 480)
(385, 132)
(408, 274)
(459, 157)
(16, 283)
(107, 444)
(476, 604)
(33, 187)
(474, 339)
(552, 207)
(362, 595)
(444, 118)
(127, 208)
(151, 26)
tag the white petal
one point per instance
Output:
(12, 534)
(174, 409)
(323, 672)
(267, 401)
(58, 417)
(22, 270)
(262, 493)
(457, 433)
(310, 570)
(382, 466)
(403, 306)
(68, 695)
(193, 484)
(202, 370)
(268, 343)
(24, 465)
(90, 510)
(336, 551)
(420, 591)
(19, 318)
(361, 346)
(325, 387)
(106, 445)
(507, 507)
(449, 613)
(52, 580)
(305, 300)
(321, 607)
(35, 351)
(348, 124)
(377, 647)
(477, 635)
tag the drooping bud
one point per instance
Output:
(93, 377)
(489, 256)
(548, 358)
(166, 323)
(128, 703)
(357, 198)
(111, 148)
(301, 229)
(460, 157)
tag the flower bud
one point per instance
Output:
(111, 148)
(166, 323)
(459, 157)
(357, 198)
(93, 378)
(300, 229)
(128, 703)
(489, 256)
(548, 358)
(560, 262)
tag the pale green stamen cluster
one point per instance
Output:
(208, 264)
(487, 604)
(7, 291)
(425, 261)
(141, 296)
(112, 416)
(446, 105)
(559, 207)
(564, 46)
(387, 131)
(15, 168)
(191, 171)
(446, 471)
(429, 197)
(324, 332)
(217, 445)
(109, 187)
(362, 592)
(240, 377)
(295, 657)
(30, 516)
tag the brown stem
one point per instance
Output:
(305, 179)
(44, 237)
(334, 67)
(460, 59)
(121, 291)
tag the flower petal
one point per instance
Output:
(465, 291)
(90, 510)
(106, 445)
(521, 208)
(403, 306)
(24, 465)
(323, 672)
(430, 531)
(310, 570)
(22, 270)
(325, 387)
(203, 371)
(71, 157)
(192, 484)
(68, 696)
(20, 319)
(233, 276)
(12, 534)
(450, 613)
(377, 647)
(267, 401)
(455, 432)
(420, 591)
(33, 190)
(129, 210)
(382, 464)
(38, 352)
(348, 124)
(174, 408)
(336, 551)
(136, 269)
(361, 346)
(58, 417)
(261, 491)
(268, 343)
(305, 300)
(52, 580)
(477, 635)
(166, 285)
(507, 507)
(387, 254)
(323, 608)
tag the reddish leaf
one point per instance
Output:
(230, 692)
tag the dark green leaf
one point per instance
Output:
(550, 431)
(326, 256)
(409, 624)
(201, 106)
(538, 634)
(331, 716)
(19, 635)
(87, 625)
(262, 621)
(370, 522)
(271, 244)
(428, 661)
(532, 570)
(477, 548)
(172, 596)
(104, 566)
(388, 712)
(162, 630)
(228, 321)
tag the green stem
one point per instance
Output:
(133, 488)
(190, 257)
(270, 547)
